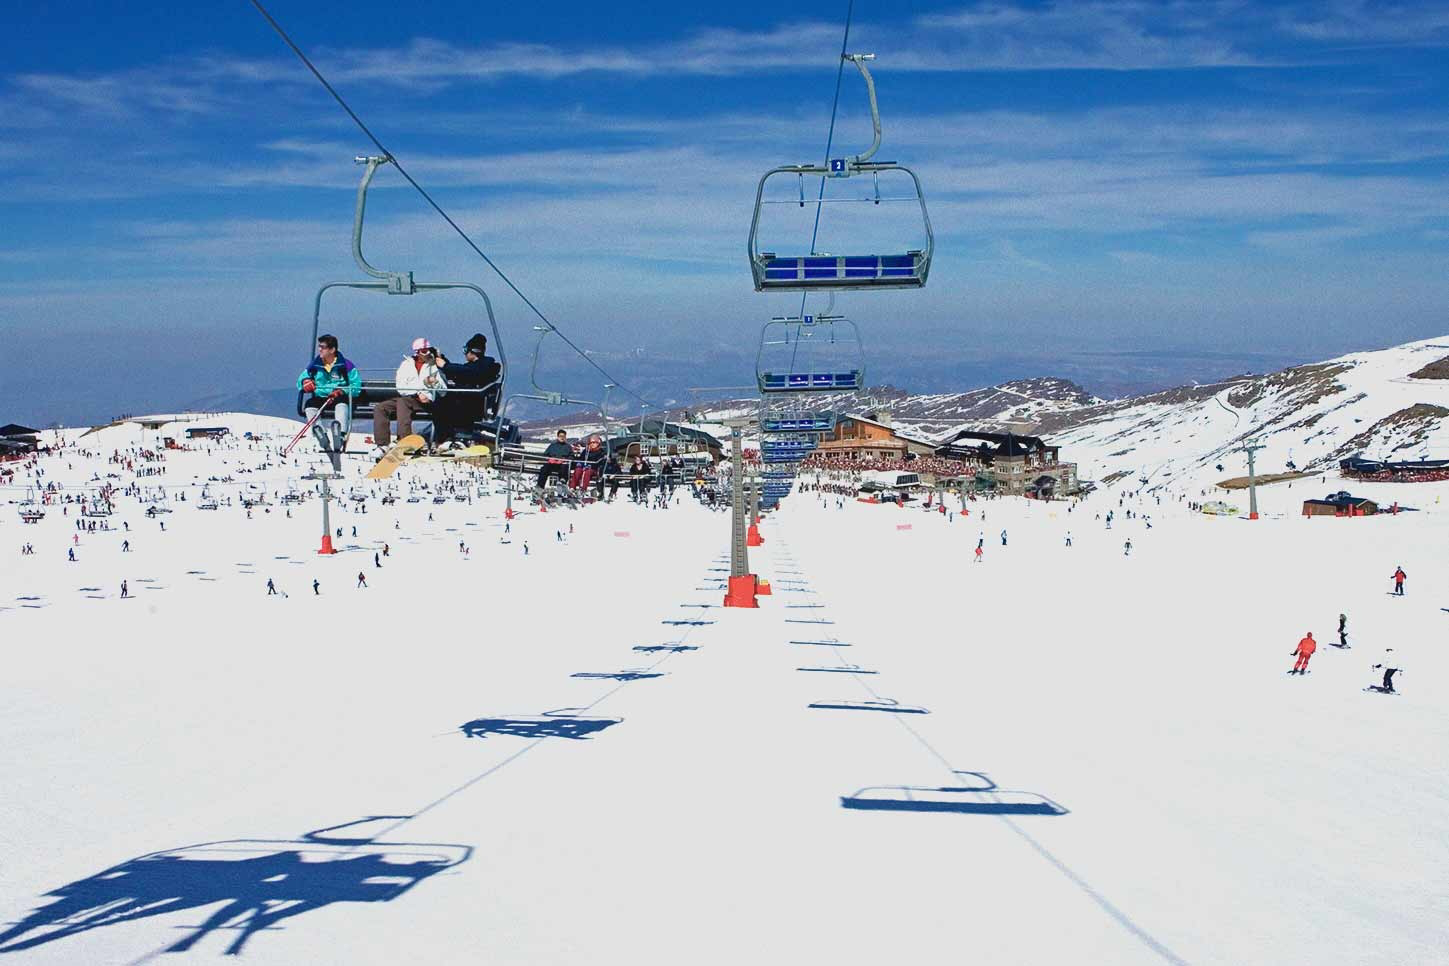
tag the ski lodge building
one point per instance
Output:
(1340, 504)
(1005, 462)
(858, 437)
(17, 440)
(1011, 464)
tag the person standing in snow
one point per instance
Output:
(361, 580)
(1304, 651)
(1069, 538)
(1127, 548)
(316, 591)
(125, 591)
(271, 588)
(1343, 630)
(1399, 577)
(1003, 538)
(978, 553)
(376, 560)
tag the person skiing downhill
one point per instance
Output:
(1343, 630)
(1385, 665)
(1304, 651)
(1399, 577)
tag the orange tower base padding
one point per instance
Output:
(753, 538)
(741, 592)
(762, 587)
(326, 544)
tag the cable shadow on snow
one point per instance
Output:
(253, 883)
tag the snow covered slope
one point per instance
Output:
(572, 753)
(1312, 415)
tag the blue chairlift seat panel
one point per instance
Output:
(798, 423)
(905, 270)
(810, 381)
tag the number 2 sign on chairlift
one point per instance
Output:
(838, 168)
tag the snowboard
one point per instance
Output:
(396, 456)
(477, 451)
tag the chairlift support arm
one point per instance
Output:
(398, 283)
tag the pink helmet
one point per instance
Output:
(419, 344)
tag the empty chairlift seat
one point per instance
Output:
(797, 423)
(796, 272)
(848, 380)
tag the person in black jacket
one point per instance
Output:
(613, 471)
(477, 376)
(558, 454)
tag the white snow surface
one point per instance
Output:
(177, 765)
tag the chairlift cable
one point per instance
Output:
(266, 15)
(829, 142)
(830, 134)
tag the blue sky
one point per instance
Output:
(1102, 176)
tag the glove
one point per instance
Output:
(335, 394)
(308, 385)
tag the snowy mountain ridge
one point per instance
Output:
(1384, 403)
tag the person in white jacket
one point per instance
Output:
(418, 384)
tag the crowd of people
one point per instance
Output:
(933, 465)
(580, 466)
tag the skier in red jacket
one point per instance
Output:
(1304, 650)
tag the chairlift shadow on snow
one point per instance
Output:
(253, 883)
(559, 723)
(625, 675)
(979, 795)
(666, 648)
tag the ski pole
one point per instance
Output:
(308, 425)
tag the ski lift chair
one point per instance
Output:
(842, 369)
(817, 270)
(382, 387)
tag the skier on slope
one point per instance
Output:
(1304, 651)
(1399, 577)
(1386, 665)
(1343, 630)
